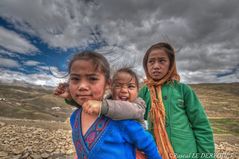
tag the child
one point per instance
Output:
(98, 136)
(175, 116)
(125, 86)
(123, 102)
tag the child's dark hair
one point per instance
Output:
(164, 46)
(98, 60)
(129, 71)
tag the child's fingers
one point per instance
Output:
(59, 89)
(86, 106)
(58, 92)
(90, 107)
(63, 86)
(88, 111)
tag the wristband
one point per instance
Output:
(104, 107)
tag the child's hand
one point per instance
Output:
(92, 107)
(62, 90)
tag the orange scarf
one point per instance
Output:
(157, 112)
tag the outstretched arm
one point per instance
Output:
(119, 110)
(116, 109)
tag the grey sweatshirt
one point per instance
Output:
(120, 110)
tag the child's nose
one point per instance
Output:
(83, 85)
(124, 89)
(156, 65)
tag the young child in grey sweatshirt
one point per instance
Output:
(122, 103)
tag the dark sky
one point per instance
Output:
(38, 35)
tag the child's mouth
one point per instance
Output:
(123, 98)
(156, 73)
(83, 97)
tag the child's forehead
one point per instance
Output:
(124, 76)
(88, 63)
(158, 53)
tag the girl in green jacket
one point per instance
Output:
(175, 116)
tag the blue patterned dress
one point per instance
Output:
(110, 139)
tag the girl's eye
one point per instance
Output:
(151, 61)
(117, 86)
(131, 86)
(74, 79)
(93, 78)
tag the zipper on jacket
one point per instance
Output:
(169, 92)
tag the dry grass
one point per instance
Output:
(30, 103)
(221, 102)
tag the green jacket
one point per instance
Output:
(186, 124)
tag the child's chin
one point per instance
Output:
(82, 101)
(79, 102)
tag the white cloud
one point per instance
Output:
(204, 33)
(10, 54)
(9, 63)
(207, 57)
(4, 52)
(229, 79)
(54, 71)
(57, 23)
(35, 79)
(31, 63)
(13, 42)
(208, 76)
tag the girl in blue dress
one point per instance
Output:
(97, 136)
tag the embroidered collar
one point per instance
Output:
(85, 143)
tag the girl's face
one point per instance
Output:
(158, 64)
(124, 87)
(86, 82)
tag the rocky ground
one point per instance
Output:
(38, 130)
(35, 139)
(226, 149)
(26, 139)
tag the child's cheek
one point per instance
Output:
(99, 93)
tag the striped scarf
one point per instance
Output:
(157, 112)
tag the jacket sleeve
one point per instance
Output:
(119, 110)
(142, 141)
(199, 123)
(145, 95)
